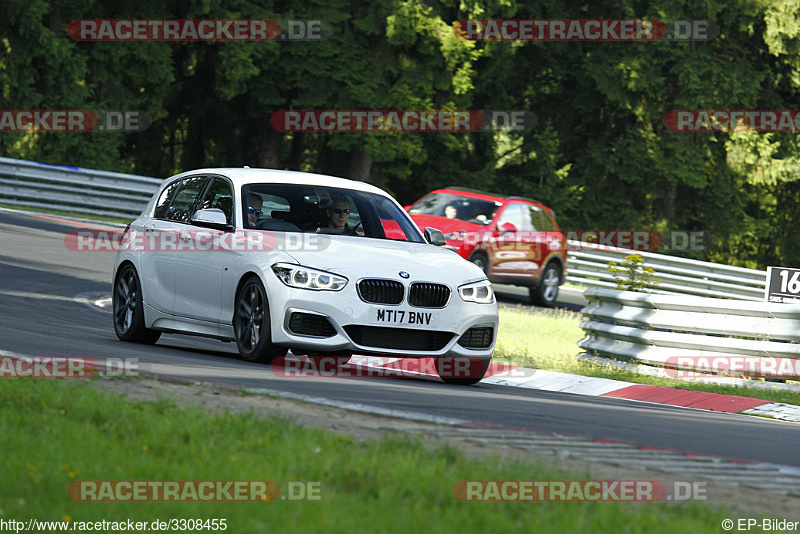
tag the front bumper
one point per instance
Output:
(353, 326)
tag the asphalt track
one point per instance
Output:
(40, 316)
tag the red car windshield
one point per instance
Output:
(473, 210)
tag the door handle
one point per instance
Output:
(186, 236)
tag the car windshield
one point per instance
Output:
(467, 209)
(325, 210)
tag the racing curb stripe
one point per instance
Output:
(701, 400)
(618, 389)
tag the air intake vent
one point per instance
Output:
(477, 337)
(307, 324)
(398, 338)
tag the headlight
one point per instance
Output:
(307, 278)
(480, 292)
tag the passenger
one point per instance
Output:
(254, 206)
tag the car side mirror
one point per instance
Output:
(210, 218)
(507, 227)
(434, 236)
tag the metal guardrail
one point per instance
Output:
(588, 265)
(660, 329)
(74, 189)
(125, 195)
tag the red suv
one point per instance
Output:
(514, 240)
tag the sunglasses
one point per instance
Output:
(339, 211)
(251, 209)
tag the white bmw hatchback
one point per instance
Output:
(279, 260)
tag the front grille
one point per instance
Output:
(426, 295)
(380, 291)
(477, 337)
(307, 324)
(398, 338)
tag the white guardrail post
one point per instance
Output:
(662, 330)
(114, 194)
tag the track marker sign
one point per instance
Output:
(783, 285)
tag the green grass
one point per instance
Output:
(58, 431)
(67, 213)
(548, 339)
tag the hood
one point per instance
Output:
(357, 257)
(446, 225)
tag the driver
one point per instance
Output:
(254, 206)
(338, 214)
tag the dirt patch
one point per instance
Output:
(745, 502)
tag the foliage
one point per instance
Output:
(600, 154)
(633, 275)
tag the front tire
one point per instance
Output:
(481, 260)
(547, 291)
(461, 370)
(251, 324)
(128, 309)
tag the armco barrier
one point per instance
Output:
(678, 275)
(74, 189)
(660, 329)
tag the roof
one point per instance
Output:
(242, 176)
(494, 195)
(474, 191)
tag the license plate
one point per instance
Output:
(397, 317)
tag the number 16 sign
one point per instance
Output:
(783, 285)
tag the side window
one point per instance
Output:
(165, 199)
(547, 223)
(182, 205)
(515, 214)
(539, 219)
(219, 195)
